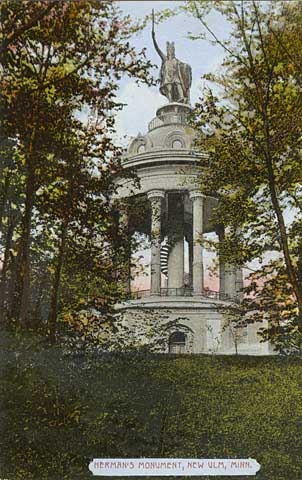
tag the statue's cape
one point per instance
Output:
(184, 73)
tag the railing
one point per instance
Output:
(156, 122)
(140, 294)
(183, 292)
(176, 292)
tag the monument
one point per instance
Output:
(168, 167)
(175, 76)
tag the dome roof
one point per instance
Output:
(168, 130)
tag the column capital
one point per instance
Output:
(158, 194)
(193, 194)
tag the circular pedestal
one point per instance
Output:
(199, 319)
(174, 113)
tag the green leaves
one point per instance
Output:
(58, 57)
(254, 157)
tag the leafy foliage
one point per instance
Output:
(251, 130)
(62, 62)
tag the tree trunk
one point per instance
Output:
(3, 282)
(4, 196)
(293, 279)
(24, 284)
(38, 316)
(52, 318)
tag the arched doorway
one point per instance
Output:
(177, 342)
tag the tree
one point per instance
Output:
(99, 331)
(58, 57)
(254, 149)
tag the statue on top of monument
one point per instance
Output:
(175, 76)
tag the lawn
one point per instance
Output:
(58, 411)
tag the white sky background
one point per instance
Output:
(143, 101)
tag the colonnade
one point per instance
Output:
(230, 276)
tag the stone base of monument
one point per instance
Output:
(195, 325)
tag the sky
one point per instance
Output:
(143, 101)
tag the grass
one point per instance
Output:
(59, 411)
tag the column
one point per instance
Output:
(155, 197)
(176, 265)
(176, 241)
(239, 284)
(239, 277)
(230, 278)
(230, 281)
(124, 227)
(222, 289)
(198, 201)
(190, 255)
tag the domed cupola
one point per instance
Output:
(169, 130)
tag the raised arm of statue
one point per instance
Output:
(160, 53)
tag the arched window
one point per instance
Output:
(177, 143)
(141, 148)
(177, 342)
(175, 139)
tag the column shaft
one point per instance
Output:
(155, 198)
(239, 284)
(222, 286)
(198, 201)
(233, 279)
(230, 281)
(176, 265)
(190, 252)
(176, 241)
(221, 278)
(124, 226)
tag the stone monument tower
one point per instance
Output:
(179, 214)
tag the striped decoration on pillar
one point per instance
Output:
(164, 255)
